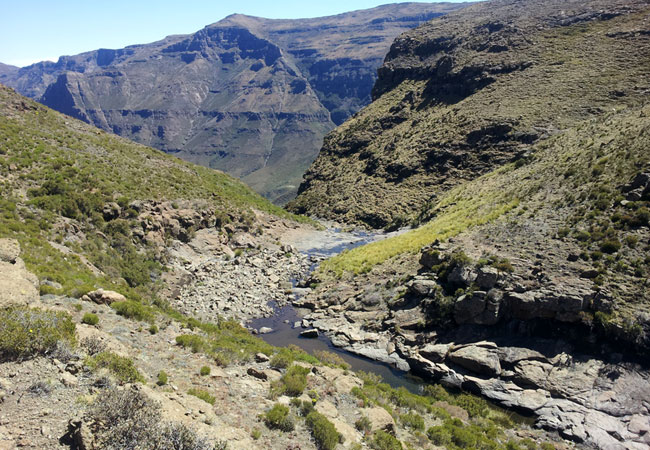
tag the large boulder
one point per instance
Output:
(379, 419)
(102, 297)
(9, 250)
(478, 359)
(18, 286)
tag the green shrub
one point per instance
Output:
(413, 421)
(26, 332)
(205, 370)
(256, 434)
(363, 425)
(153, 329)
(193, 341)
(203, 395)
(278, 417)
(90, 319)
(294, 381)
(281, 360)
(122, 368)
(134, 310)
(162, 378)
(475, 406)
(610, 246)
(385, 441)
(323, 430)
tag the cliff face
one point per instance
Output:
(250, 96)
(470, 91)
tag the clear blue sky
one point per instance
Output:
(35, 30)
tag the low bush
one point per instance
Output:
(128, 419)
(193, 341)
(205, 370)
(162, 378)
(90, 319)
(323, 430)
(122, 368)
(279, 417)
(294, 381)
(281, 360)
(134, 310)
(385, 441)
(413, 421)
(203, 395)
(27, 332)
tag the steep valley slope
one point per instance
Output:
(103, 242)
(250, 96)
(470, 91)
(513, 137)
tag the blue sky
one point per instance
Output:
(35, 30)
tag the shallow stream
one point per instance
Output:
(330, 243)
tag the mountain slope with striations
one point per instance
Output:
(470, 91)
(250, 96)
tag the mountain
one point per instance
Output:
(512, 137)
(470, 91)
(250, 96)
(92, 208)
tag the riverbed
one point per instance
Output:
(284, 322)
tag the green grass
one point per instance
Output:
(203, 395)
(464, 207)
(90, 319)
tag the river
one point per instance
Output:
(322, 245)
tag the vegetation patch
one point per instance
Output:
(279, 417)
(203, 395)
(120, 367)
(324, 431)
(27, 332)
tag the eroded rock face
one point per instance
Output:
(294, 80)
(18, 286)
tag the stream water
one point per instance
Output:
(284, 332)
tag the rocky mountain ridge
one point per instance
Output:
(250, 96)
(470, 91)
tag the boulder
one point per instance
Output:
(379, 419)
(487, 277)
(18, 286)
(265, 330)
(260, 375)
(422, 287)
(310, 334)
(111, 211)
(467, 307)
(477, 359)
(242, 240)
(103, 297)
(435, 352)
(462, 275)
(261, 357)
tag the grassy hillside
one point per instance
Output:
(58, 176)
(474, 90)
(571, 179)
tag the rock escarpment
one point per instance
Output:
(18, 286)
(470, 91)
(250, 96)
